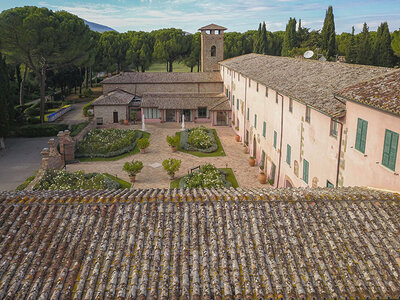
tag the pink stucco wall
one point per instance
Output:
(366, 169)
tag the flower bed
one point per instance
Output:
(107, 142)
(207, 177)
(198, 139)
(62, 180)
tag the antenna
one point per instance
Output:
(308, 54)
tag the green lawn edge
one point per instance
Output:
(118, 157)
(27, 181)
(230, 177)
(122, 183)
(220, 151)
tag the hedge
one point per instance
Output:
(184, 142)
(77, 128)
(38, 130)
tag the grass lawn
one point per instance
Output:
(230, 177)
(176, 67)
(220, 151)
(114, 158)
(123, 184)
(74, 98)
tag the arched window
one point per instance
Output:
(213, 50)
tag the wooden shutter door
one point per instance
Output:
(386, 148)
(393, 150)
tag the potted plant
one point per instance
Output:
(173, 142)
(133, 168)
(237, 138)
(171, 165)
(134, 116)
(262, 178)
(143, 143)
(252, 161)
(126, 122)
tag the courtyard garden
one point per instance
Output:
(199, 141)
(63, 180)
(207, 176)
(111, 144)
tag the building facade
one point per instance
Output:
(287, 113)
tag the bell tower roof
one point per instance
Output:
(212, 27)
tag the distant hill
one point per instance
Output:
(98, 27)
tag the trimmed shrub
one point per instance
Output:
(143, 143)
(133, 168)
(40, 130)
(173, 141)
(171, 165)
(207, 177)
(186, 144)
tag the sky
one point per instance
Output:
(236, 15)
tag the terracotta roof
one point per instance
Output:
(212, 26)
(116, 97)
(200, 244)
(163, 77)
(222, 104)
(181, 100)
(312, 82)
(382, 92)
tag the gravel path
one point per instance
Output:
(156, 177)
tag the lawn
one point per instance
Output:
(231, 178)
(114, 158)
(177, 67)
(122, 183)
(220, 151)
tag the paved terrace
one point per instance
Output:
(159, 150)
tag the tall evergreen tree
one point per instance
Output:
(364, 50)
(4, 94)
(289, 39)
(328, 34)
(263, 40)
(351, 51)
(383, 52)
(257, 44)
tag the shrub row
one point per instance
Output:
(37, 130)
(185, 145)
(77, 128)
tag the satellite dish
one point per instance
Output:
(308, 54)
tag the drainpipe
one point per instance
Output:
(339, 151)
(245, 112)
(280, 146)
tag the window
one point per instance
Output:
(334, 126)
(305, 171)
(290, 105)
(255, 121)
(226, 92)
(213, 50)
(361, 137)
(237, 104)
(390, 149)
(275, 138)
(288, 154)
(276, 97)
(266, 91)
(229, 95)
(248, 114)
(329, 184)
(202, 112)
(233, 100)
(262, 160)
(238, 77)
(308, 114)
(249, 82)
(264, 129)
(257, 87)
(152, 113)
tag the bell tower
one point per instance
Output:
(212, 47)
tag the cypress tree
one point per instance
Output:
(351, 51)
(383, 52)
(289, 39)
(364, 53)
(328, 34)
(257, 46)
(263, 40)
(5, 93)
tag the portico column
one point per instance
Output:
(178, 116)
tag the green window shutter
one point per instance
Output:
(255, 121)
(361, 137)
(390, 149)
(248, 114)
(264, 129)
(288, 154)
(237, 104)
(305, 170)
(329, 184)
(275, 135)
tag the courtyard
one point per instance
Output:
(153, 175)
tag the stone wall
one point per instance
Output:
(106, 112)
(210, 63)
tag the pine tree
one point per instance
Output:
(328, 34)
(364, 51)
(263, 40)
(4, 88)
(383, 52)
(289, 39)
(351, 51)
